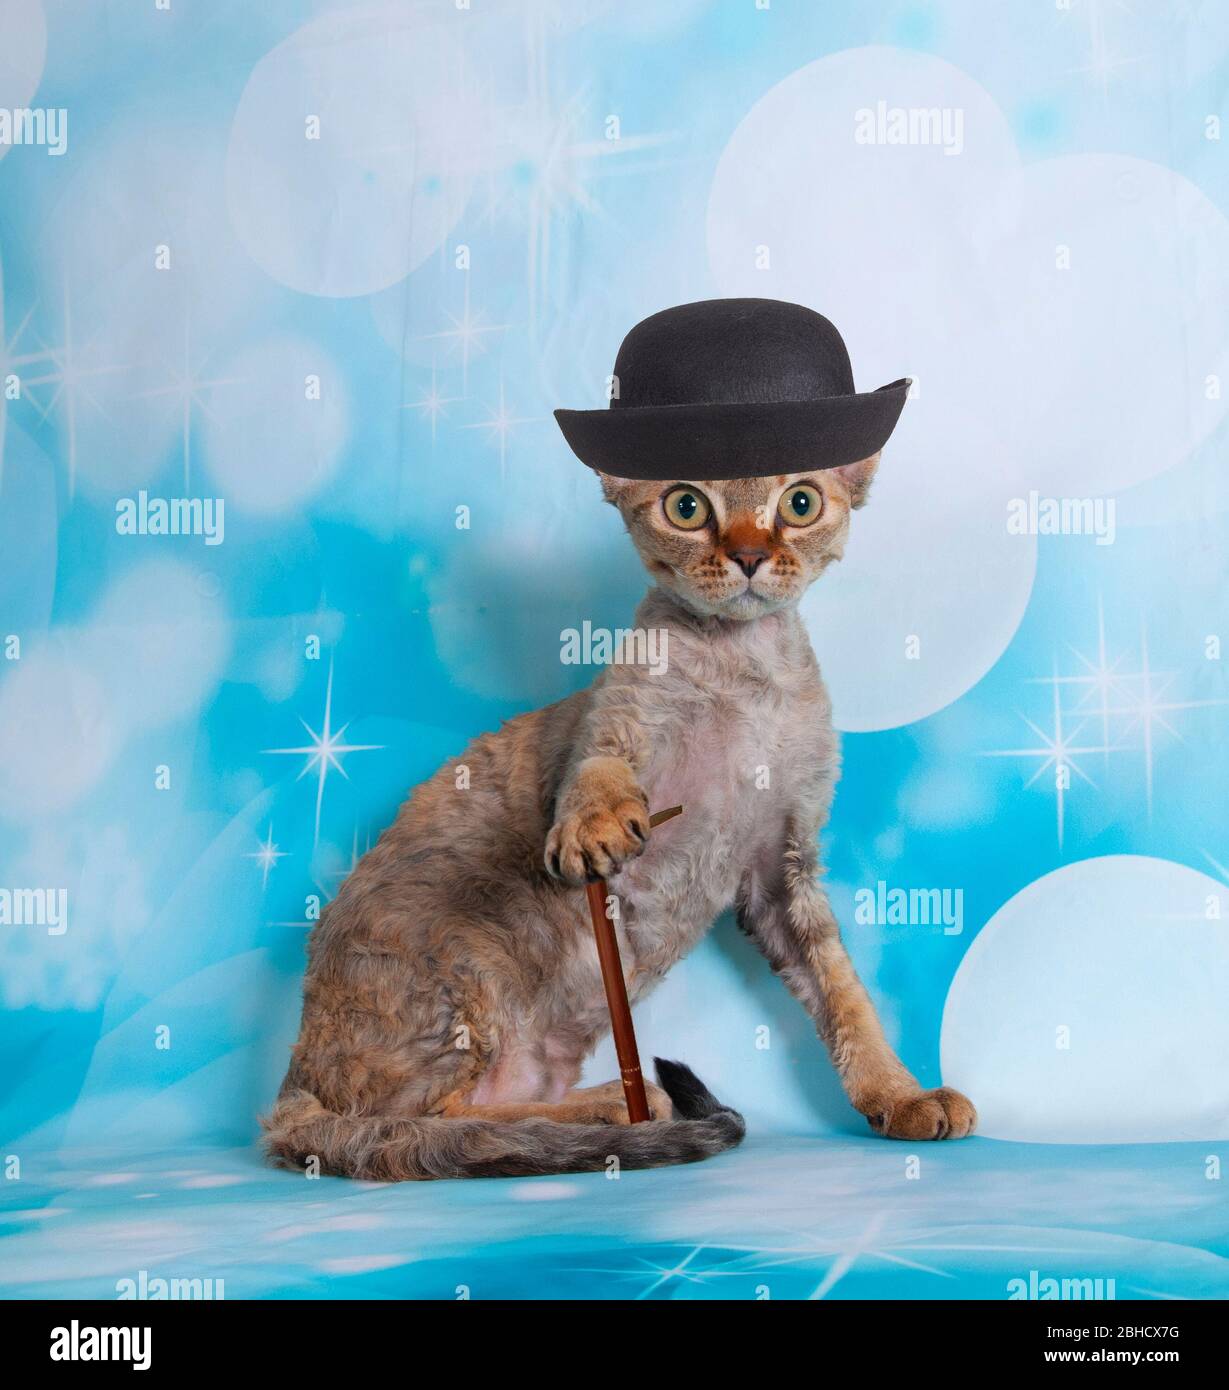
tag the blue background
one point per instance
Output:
(497, 193)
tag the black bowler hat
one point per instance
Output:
(733, 388)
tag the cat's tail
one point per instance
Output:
(384, 1149)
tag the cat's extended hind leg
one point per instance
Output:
(610, 1093)
(591, 1105)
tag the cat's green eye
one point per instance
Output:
(800, 506)
(686, 508)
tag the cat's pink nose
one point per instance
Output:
(748, 560)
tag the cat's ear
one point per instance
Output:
(857, 478)
(614, 489)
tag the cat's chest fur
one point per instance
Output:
(742, 736)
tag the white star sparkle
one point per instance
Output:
(1132, 708)
(326, 750)
(267, 856)
(1058, 750)
(68, 376)
(11, 360)
(1099, 680)
(657, 1276)
(847, 1251)
(1145, 710)
(433, 405)
(187, 386)
(553, 156)
(465, 336)
(500, 425)
(1103, 62)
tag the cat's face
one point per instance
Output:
(746, 547)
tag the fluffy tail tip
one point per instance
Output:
(691, 1097)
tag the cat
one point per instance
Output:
(453, 989)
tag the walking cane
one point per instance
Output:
(616, 989)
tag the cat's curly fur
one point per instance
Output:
(453, 989)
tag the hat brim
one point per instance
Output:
(730, 439)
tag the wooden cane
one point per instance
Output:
(616, 989)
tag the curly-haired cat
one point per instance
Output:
(453, 989)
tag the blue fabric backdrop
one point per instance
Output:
(328, 268)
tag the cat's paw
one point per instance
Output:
(607, 1105)
(597, 841)
(938, 1114)
(612, 1108)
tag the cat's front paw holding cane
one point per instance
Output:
(596, 842)
(597, 837)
